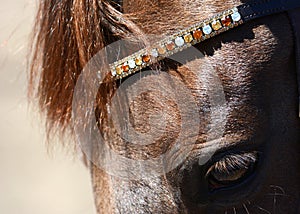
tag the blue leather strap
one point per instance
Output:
(259, 8)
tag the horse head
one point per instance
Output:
(228, 105)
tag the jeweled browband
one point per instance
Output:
(176, 42)
(207, 29)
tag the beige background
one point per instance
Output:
(31, 181)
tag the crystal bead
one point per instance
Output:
(236, 16)
(188, 38)
(125, 67)
(119, 70)
(170, 46)
(146, 58)
(179, 41)
(216, 25)
(226, 21)
(161, 50)
(207, 29)
(197, 34)
(138, 61)
(154, 53)
(131, 64)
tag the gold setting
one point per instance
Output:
(167, 47)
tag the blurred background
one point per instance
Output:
(32, 181)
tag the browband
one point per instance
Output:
(209, 28)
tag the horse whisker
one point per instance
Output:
(281, 192)
(274, 200)
(262, 209)
(248, 202)
(278, 187)
(247, 211)
(234, 210)
(276, 194)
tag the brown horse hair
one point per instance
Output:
(66, 35)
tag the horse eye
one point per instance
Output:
(231, 170)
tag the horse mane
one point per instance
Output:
(66, 35)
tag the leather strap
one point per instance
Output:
(295, 21)
(260, 8)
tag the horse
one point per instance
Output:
(254, 163)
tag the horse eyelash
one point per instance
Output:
(233, 162)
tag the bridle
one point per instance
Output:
(209, 28)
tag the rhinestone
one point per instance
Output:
(226, 21)
(161, 50)
(179, 41)
(131, 64)
(146, 58)
(236, 16)
(216, 25)
(113, 72)
(170, 46)
(119, 70)
(138, 61)
(125, 67)
(154, 53)
(197, 34)
(188, 38)
(207, 29)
